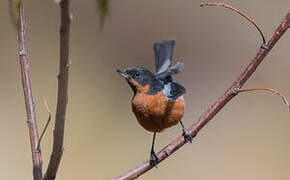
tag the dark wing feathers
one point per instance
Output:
(164, 69)
(163, 55)
(174, 90)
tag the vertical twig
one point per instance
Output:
(215, 107)
(47, 122)
(62, 98)
(29, 103)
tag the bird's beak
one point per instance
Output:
(123, 74)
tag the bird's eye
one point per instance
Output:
(137, 74)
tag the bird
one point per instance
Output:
(158, 101)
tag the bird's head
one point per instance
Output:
(141, 80)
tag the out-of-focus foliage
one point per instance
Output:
(104, 10)
(14, 10)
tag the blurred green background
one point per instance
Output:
(248, 139)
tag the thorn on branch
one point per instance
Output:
(22, 52)
(239, 12)
(167, 153)
(68, 63)
(235, 91)
(265, 46)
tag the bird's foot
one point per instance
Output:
(153, 159)
(187, 136)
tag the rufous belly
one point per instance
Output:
(155, 112)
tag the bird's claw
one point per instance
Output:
(187, 136)
(153, 159)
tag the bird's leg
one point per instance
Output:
(185, 133)
(153, 155)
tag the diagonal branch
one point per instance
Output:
(215, 107)
(62, 98)
(29, 103)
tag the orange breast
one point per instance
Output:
(156, 113)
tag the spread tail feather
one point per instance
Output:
(178, 67)
(163, 55)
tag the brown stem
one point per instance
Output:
(215, 107)
(239, 12)
(62, 98)
(266, 89)
(29, 103)
(47, 123)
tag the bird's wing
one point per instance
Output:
(173, 90)
(163, 55)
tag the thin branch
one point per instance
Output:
(62, 98)
(239, 12)
(29, 103)
(47, 123)
(266, 89)
(215, 107)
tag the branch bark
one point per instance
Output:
(29, 103)
(215, 107)
(62, 98)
